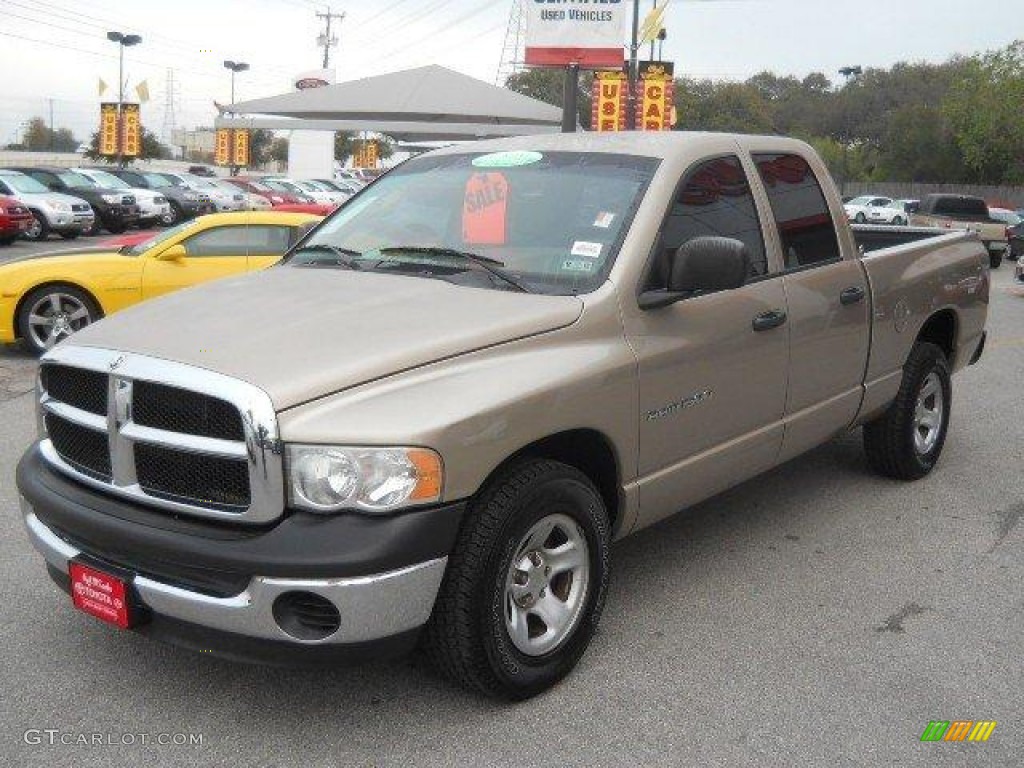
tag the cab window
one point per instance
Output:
(798, 204)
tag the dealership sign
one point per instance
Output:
(585, 32)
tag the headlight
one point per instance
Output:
(191, 197)
(112, 199)
(59, 205)
(329, 479)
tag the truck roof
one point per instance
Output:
(663, 144)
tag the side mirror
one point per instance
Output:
(174, 253)
(702, 265)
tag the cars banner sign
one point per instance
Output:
(132, 130)
(656, 91)
(231, 147)
(585, 32)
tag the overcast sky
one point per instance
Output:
(56, 49)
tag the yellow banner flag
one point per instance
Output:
(142, 89)
(101, 87)
(653, 23)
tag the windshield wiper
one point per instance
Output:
(493, 266)
(345, 257)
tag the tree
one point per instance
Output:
(279, 150)
(347, 144)
(39, 138)
(260, 142)
(548, 85)
(152, 149)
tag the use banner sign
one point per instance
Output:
(584, 32)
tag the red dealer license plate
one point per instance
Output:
(100, 594)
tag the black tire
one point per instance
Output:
(40, 231)
(466, 638)
(69, 235)
(73, 293)
(117, 229)
(860, 218)
(7, 240)
(889, 440)
(995, 259)
(96, 228)
(175, 215)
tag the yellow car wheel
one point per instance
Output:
(52, 313)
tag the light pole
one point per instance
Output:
(850, 73)
(235, 67)
(123, 41)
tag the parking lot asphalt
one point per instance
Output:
(815, 616)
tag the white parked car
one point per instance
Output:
(226, 200)
(342, 185)
(153, 206)
(55, 212)
(868, 209)
(252, 202)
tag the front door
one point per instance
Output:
(712, 388)
(210, 254)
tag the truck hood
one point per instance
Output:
(301, 334)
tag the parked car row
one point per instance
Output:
(868, 209)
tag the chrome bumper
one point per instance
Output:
(371, 607)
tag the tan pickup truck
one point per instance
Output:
(428, 424)
(964, 212)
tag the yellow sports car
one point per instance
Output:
(45, 298)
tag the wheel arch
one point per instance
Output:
(19, 331)
(941, 329)
(588, 450)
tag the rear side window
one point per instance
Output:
(805, 225)
(714, 200)
(961, 206)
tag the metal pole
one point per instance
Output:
(654, 6)
(120, 106)
(571, 98)
(51, 125)
(634, 73)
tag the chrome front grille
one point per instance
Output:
(165, 434)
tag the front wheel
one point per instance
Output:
(905, 441)
(54, 312)
(860, 218)
(39, 229)
(899, 221)
(995, 259)
(526, 583)
(69, 235)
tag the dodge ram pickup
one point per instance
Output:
(427, 425)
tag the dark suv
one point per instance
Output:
(115, 210)
(185, 203)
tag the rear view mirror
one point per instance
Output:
(174, 253)
(702, 265)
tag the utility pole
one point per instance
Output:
(51, 124)
(326, 40)
(634, 66)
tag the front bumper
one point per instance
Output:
(209, 586)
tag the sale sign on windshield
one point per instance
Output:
(585, 32)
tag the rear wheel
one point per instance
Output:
(526, 583)
(39, 229)
(899, 221)
(173, 216)
(54, 312)
(860, 218)
(905, 442)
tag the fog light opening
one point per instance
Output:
(306, 616)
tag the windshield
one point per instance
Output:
(156, 181)
(860, 200)
(26, 184)
(553, 222)
(279, 186)
(167, 234)
(197, 183)
(108, 180)
(75, 180)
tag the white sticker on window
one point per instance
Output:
(590, 250)
(577, 265)
(604, 220)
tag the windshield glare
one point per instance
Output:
(156, 181)
(108, 180)
(860, 200)
(554, 220)
(167, 234)
(25, 184)
(75, 180)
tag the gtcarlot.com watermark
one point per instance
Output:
(54, 737)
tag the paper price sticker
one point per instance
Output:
(590, 250)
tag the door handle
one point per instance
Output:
(852, 295)
(768, 320)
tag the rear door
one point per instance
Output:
(712, 388)
(828, 304)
